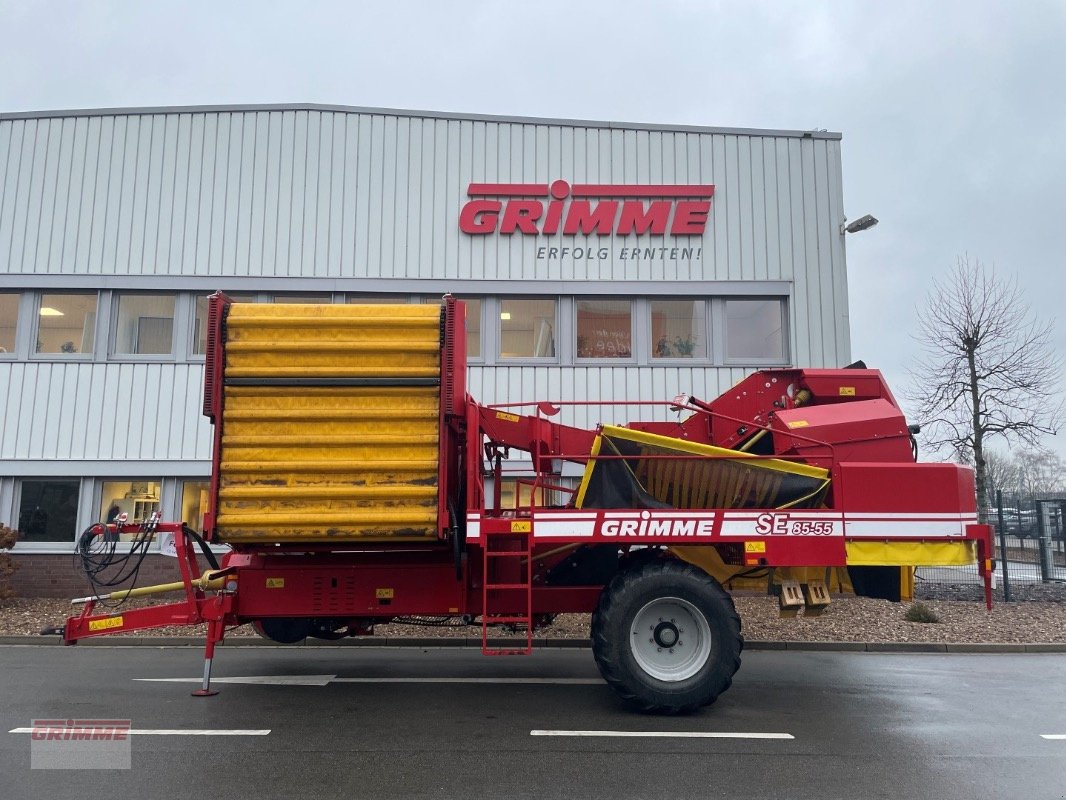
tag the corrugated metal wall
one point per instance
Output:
(85, 411)
(363, 198)
(315, 194)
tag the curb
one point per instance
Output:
(548, 643)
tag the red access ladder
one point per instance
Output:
(507, 586)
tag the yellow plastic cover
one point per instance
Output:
(915, 554)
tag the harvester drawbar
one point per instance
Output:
(355, 482)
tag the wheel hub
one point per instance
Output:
(666, 634)
(670, 639)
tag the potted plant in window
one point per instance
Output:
(684, 346)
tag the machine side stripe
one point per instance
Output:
(888, 529)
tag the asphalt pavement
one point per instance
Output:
(385, 723)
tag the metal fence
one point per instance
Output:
(1030, 535)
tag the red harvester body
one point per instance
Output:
(356, 482)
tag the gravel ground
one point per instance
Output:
(848, 619)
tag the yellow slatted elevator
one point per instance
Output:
(330, 463)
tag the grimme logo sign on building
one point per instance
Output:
(562, 209)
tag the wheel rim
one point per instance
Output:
(670, 639)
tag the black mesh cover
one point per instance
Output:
(650, 473)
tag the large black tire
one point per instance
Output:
(647, 608)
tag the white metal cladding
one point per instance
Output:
(85, 411)
(360, 195)
(362, 200)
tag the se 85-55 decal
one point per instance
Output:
(785, 524)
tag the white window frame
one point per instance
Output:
(20, 314)
(518, 361)
(649, 359)
(180, 331)
(634, 341)
(723, 327)
(36, 299)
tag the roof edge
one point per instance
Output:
(396, 112)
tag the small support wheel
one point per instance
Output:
(666, 637)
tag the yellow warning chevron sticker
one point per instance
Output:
(105, 624)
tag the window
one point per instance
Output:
(9, 314)
(473, 327)
(527, 328)
(516, 495)
(379, 299)
(145, 324)
(473, 322)
(194, 503)
(66, 323)
(48, 511)
(317, 299)
(678, 329)
(137, 499)
(199, 328)
(604, 329)
(755, 330)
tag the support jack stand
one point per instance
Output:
(215, 631)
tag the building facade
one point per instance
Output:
(600, 261)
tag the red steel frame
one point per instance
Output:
(374, 582)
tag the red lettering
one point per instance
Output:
(569, 216)
(479, 216)
(690, 218)
(635, 219)
(581, 217)
(521, 215)
(555, 213)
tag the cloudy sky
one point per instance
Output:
(953, 113)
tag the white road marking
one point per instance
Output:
(324, 680)
(177, 732)
(260, 680)
(669, 734)
(548, 681)
(1053, 736)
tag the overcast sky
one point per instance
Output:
(953, 113)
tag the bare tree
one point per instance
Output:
(989, 369)
(1040, 472)
(1001, 473)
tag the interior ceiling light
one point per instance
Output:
(505, 315)
(47, 311)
